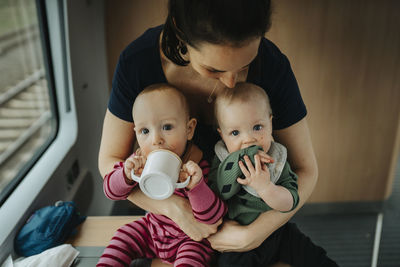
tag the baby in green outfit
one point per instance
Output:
(250, 170)
(251, 173)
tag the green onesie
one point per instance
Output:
(244, 206)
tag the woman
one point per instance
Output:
(203, 47)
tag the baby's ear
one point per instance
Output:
(219, 131)
(270, 123)
(191, 126)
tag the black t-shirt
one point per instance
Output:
(139, 66)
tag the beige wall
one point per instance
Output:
(346, 57)
(126, 20)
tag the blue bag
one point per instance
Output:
(48, 227)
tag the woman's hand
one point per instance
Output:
(178, 209)
(182, 215)
(233, 237)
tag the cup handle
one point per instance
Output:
(183, 184)
(134, 177)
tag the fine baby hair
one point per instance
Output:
(167, 88)
(243, 92)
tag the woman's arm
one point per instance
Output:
(116, 145)
(178, 209)
(234, 237)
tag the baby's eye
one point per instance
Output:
(235, 133)
(144, 131)
(257, 127)
(167, 127)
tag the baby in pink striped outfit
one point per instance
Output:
(161, 118)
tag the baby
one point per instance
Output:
(251, 173)
(161, 117)
(243, 170)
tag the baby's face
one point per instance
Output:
(161, 123)
(243, 124)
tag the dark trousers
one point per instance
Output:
(287, 244)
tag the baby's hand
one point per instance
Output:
(258, 176)
(192, 169)
(136, 163)
(264, 157)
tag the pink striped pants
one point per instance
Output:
(142, 239)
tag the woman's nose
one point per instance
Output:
(229, 79)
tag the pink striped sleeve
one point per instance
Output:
(115, 186)
(206, 205)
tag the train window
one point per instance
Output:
(27, 111)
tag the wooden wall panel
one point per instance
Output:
(126, 20)
(346, 57)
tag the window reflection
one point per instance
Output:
(27, 122)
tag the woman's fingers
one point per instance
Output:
(184, 218)
(228, 238)
(198, 231)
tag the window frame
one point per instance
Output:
(49, 75)
(58, 72)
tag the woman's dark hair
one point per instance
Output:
(229, 22)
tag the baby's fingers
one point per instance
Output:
(192, 168)
(249, 165)
(128, 166)
(186, 168)
(138, 163)
(139, 153)
(241, 181)
(129, 163)
(183, 175)
(265, 158)
(244, 170)
(257, 162)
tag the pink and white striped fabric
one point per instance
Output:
(156, 235)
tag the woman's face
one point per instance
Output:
(223, 62)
